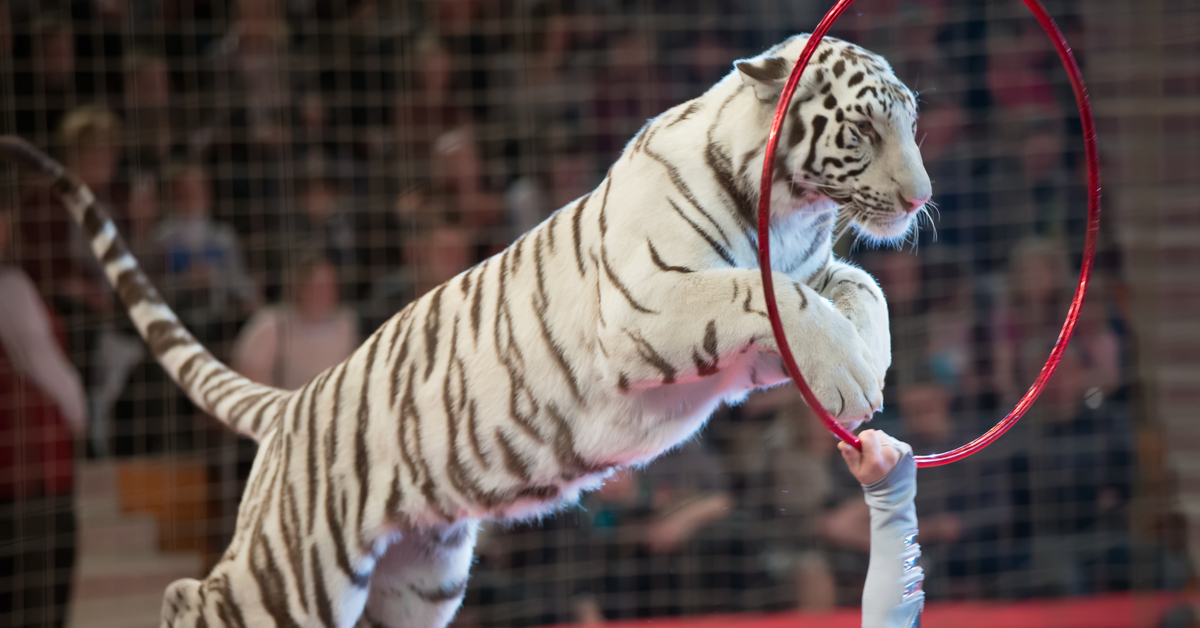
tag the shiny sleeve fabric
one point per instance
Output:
(893, 595)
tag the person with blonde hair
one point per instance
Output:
(53, 250)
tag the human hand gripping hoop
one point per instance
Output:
(1089, 252)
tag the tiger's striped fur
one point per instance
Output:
(603, 337)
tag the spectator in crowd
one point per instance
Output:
(932, 316)
(708, 59)
(436, 142)
(143, 213)
(252, 54)
(428, 109)
(805, 481)
(349, 69)
(1039, 292)
(555, 97)
(640, 523)
(50, 88)
(1017, 63)
(438, 255)
(572, 174)
(204, 278)
(433, 251)
(910, 35)
(942, 133)
(458, 176)
(287, 345)
(630, 89)
(1049, 182)
(151, 136)
(531, 199)
(949, 317)
(1031, 183)
(54, 251)
(964, 509)
(314, 137)
(246, 136)
(1073, 477)
(324, 221)
(42, 410)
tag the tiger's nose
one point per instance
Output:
(917, 203)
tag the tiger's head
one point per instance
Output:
(849, 135)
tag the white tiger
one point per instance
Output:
(600, 339)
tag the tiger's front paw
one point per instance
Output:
(844, 375)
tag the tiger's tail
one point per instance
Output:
(245, 406)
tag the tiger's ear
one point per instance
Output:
(766, 75)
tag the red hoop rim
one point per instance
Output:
(1089, 251)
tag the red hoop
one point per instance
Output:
(1089, 252)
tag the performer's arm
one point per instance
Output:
(892, 595)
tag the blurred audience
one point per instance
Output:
(315, 141)
(429, 108)
(324, 221)
(530, 199)
(964, 508)
(150, 133)
(253, 54)
(1073, 478)
(641, 522)
(534, 100)
(631, 88)
(1039, 291)
(1018, 62)
(51, 86)
(457, 173)
(806, 483)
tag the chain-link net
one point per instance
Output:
(293, 172)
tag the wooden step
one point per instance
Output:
(96, 491)
(130, 534)
(131, 611)
(116, 576)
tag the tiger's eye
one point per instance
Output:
(864, 127)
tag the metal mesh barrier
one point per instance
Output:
(357, 153)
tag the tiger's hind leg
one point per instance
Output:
(420, 581)
(182, 604)
(191, 603)
(282, 569)
(268, 589)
